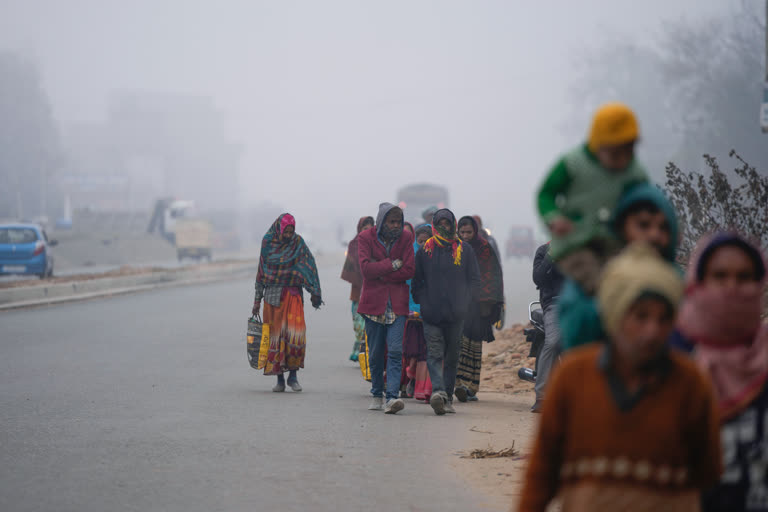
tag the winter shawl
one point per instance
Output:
(730, 338)
(492, 288)
(287, 262)
(350, 272)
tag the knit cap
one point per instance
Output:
(637, 270)
(614, 124)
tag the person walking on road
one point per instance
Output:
(351, 274)
(286, 266)
(549, 280)
(483, 313)
(447, 280)
(629, 424)
(387, 263)
(418, 385)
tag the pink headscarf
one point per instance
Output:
(286, 221)
(726, 327)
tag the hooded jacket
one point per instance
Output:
(381, 283)
(443, 289)
(578, 312)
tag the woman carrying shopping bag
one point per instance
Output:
(286, 266)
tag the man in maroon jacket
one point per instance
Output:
(386, 262)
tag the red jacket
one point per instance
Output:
(380, 282)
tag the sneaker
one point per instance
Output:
(472, 398)
(438, 403)
(394, 406)
(449, 407)
(377, 404)
(537, 406)
(279, 387)
(462, 393)
(295, 386)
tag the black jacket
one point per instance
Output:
(546, 277)
(443, 289)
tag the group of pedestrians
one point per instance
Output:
(659, 401)
(429, 298)
(652, 383)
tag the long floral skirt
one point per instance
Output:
(470, 363)
(287, 335)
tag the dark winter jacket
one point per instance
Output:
(444, 289)
(380, 282)
(546, 277)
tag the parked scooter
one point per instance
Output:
(534, 335)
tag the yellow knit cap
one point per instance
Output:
(614, 124)
(637, 270)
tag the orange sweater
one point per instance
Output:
(656, 454)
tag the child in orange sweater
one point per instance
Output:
(627, 425)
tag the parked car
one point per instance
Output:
(520, 243)
(25, 250)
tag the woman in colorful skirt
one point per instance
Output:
(418, 385)
(486, 311)
(351, 274)
(286, 266)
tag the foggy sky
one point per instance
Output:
(340, 103)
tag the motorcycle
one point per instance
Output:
(535, 336)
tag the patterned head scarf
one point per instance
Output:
(285, 221)
(287, 262)
(444, 237)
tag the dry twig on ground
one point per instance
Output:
(490, 453)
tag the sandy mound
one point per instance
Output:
(503, 358)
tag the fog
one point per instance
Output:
(332, 106)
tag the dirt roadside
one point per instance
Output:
(504, 418)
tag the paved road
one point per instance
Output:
(146, 402)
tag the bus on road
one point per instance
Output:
(417, 197)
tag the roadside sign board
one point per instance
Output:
(764, 109)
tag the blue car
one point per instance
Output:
(25, 249)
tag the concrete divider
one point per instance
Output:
(94, 286)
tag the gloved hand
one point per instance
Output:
(256, 307)
(397, 264)
(316, 301)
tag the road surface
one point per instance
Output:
(147, 402)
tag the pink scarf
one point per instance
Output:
(286, 221)
(731, 340)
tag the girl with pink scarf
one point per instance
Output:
(721, 320)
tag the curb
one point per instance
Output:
(33, 296)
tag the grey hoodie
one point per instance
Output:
(384, 209)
